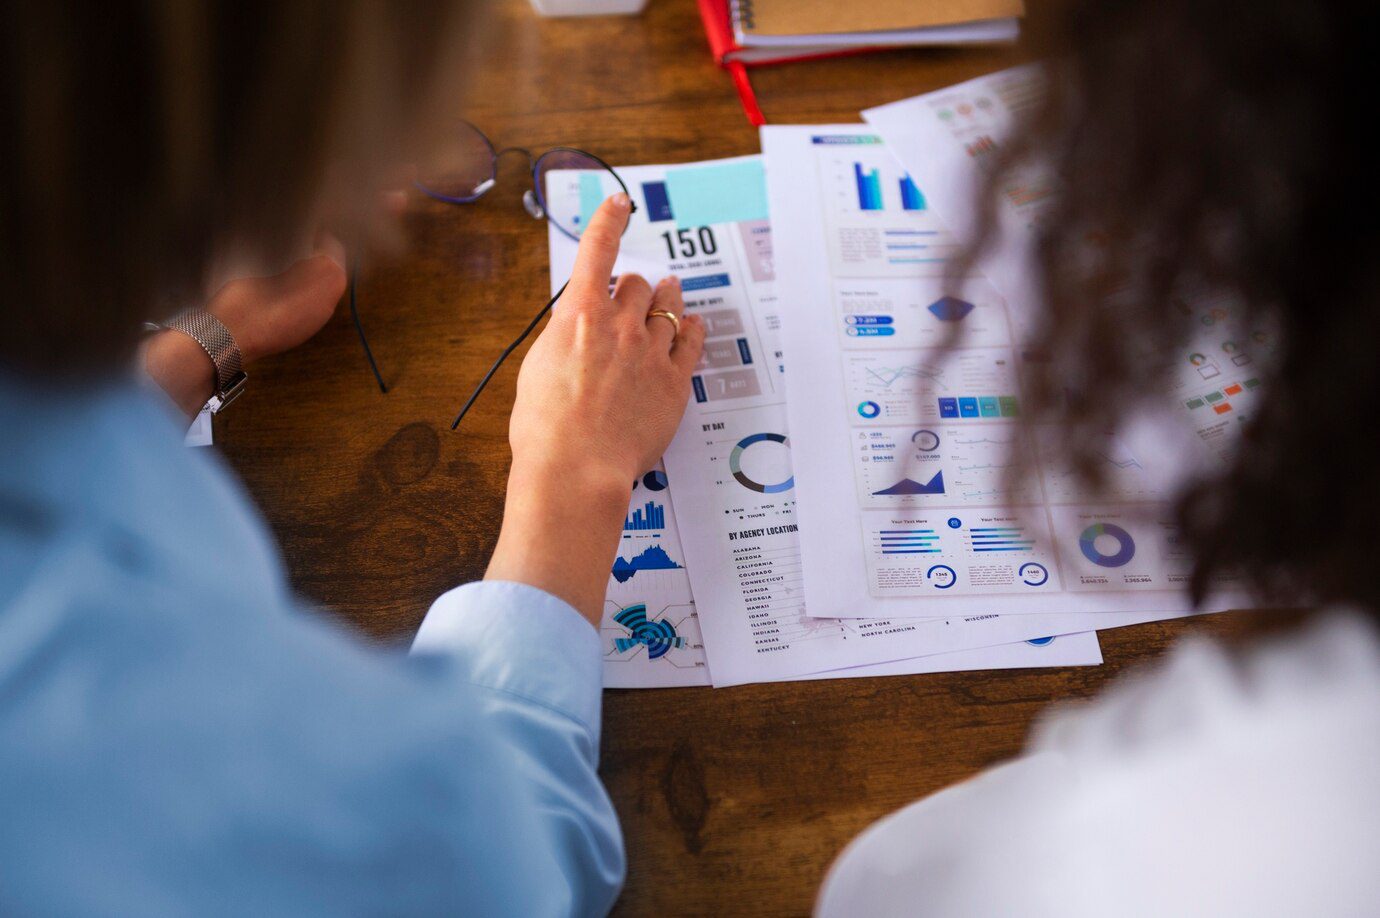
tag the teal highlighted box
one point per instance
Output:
(726, 193)
(591, 196)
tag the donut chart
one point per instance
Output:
(735, 464)
(1126, 546)
(926, 441)
(941, 576)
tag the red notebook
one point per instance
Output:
(733, 57)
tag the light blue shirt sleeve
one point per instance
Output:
(517, 639)
(538, 661)
(178, 735)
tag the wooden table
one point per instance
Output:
(733, 801)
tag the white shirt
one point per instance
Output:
(1212, 785)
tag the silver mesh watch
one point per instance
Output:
(215, 339)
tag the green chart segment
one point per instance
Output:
(1112, 534)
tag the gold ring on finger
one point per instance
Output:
(669, 316)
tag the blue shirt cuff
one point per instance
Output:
(518, 639)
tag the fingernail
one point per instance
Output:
(621, 200)
(673, 281)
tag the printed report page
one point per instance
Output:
(905, 403)
(730, 466)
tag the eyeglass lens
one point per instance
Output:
(570, 186)
(459, 171)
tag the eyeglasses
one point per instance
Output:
(568, 185)
(468, 168)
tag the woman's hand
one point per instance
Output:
(270, 315)
(599, 397)
(266, 316)
(604, 386)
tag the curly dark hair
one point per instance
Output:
(1219, 145)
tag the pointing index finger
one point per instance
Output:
(599, 245)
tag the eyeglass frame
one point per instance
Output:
(534, 163)
(482, 189)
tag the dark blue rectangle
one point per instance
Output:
(658, 203)
(698, 384)
(948, 408)
(704, 282)
(744, 351)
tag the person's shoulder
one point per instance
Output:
(1206, 693)
(1229, 783)
(1212, 783)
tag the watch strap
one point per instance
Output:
(215, 339)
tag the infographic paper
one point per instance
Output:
(730, 466)
(905, 403)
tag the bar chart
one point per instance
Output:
(869, 187)
(911, 198)
(651, 516)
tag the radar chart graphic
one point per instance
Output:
(657, 636)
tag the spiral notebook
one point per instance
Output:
(826, 23)
(725, 23)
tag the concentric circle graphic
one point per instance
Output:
(869, 409)
(926, 441)
(1126, 546)
(941, 576)
(735, 464)
(1033, 573)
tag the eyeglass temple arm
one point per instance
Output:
(536, 320)
(368, 353)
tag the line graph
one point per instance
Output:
(887, 376)
(1130, 462)
(978, 441)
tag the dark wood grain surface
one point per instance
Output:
(733, 801)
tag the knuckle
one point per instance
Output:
(586, 316)
(670, 295)
(584, 303)
(633, 285)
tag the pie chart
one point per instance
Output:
(926, 441)
(761, 462)
(1107, 545)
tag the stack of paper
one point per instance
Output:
(834, 502)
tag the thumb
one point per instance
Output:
(329, 245)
